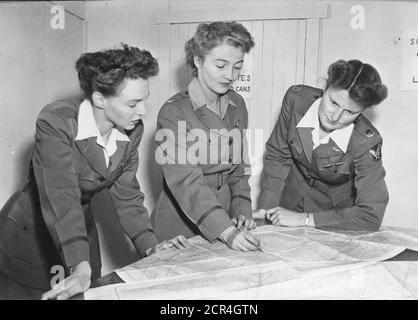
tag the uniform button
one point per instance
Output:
(218, 188)
(230, 160)
(369, 133)
(291, 141)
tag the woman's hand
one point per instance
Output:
(179, 242)
(283, 217)
(242, 222)
(259, 214)
(78, 282)
(241, 240)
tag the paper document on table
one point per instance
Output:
(314, 245)
(401, 237)
(302, 249)
(289, 255)
(383, 280)
(202, 258)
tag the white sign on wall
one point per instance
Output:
(244, 84)
(409, 71)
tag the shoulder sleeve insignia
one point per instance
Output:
(375, 153)
(369, 133)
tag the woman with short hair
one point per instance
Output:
(323, 162)
(206, 191)
(80, 150)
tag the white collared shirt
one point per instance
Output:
(311, 120)
(87, 128)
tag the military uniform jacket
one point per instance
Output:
(342, 190)
(201, 197)
(53, 212)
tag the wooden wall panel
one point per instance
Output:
(312, 52)
(164, 63)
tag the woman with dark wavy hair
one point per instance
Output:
(80, 150)
(323, 162)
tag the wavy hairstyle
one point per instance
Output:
(361, 80)
(104, 71)
(211, 35)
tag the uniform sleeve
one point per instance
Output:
(371, 195)
(185, 180)
(129, 202)
(58, 188)
(278, 158)
(238, 178)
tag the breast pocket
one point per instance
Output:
(333, 170)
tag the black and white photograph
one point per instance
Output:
(199, 150)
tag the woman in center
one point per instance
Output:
(200, 145)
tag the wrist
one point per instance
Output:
(81, 269)
(259, 214)
(312, 220)
(148, 252)
(226, 233)
(309, 220)
(145, 243)
(305, 219)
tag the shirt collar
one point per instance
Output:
(87, 127)
(311, 120)
(199, 99)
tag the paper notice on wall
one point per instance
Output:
(409, 71)
(244, 84)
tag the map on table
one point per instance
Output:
(294, 263)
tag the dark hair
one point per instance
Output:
(104, 71)
(209, 36)
(361, 80)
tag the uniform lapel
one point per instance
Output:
(305, 135)
(119, 157)
(93, 154)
